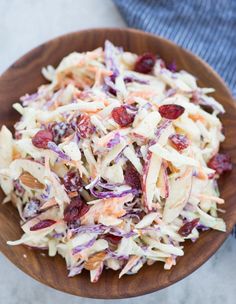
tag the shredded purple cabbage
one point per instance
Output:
(202, 227)
(138, 151)
(75, 270)
(31, 208)
(147, 106)
(99, 229)
(54, 97)
(58, 235)
(109, 186)
(111, 194)
(46, 193)
(52, 146)
(111, 52)
(158, 229)
(189, 207)
(120, 156)
(18, 189)
(133, 78)
(172, 66)
(161, 128)
(114, 141)
(171, 92)
(79, 248)
(114, 255)
(28, 98)
(131, 215)
(139, 263)
(214, 105)
(102, 229)
(197, 98)
(131, 107)
(117, 232)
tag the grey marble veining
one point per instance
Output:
(25, 24)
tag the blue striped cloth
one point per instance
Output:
(206, 27)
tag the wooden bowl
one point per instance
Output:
(24, 76)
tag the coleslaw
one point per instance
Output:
(114, 163)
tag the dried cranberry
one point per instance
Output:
(114, 239)
(84, 210)
(60, 130)
(122, 116)
(76, 209)
(171, 111)
(220, 163)
(42, 138)
(145, 63)
(85, 126)
(43, 224)
(132, 177)
(187, 228)
(179, 141)
(72, 181)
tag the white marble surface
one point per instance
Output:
(25, 24)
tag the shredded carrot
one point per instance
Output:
(196, 117)
(201, 174)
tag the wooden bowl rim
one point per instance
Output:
(226, 93)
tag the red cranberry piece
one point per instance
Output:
(179, 141)
(72, 211)
(42, 138)
(43, 224)
(220, 163)
(132, 177)
(84, 210)
(75, 210)
(114, 239)
(171, 111)
(85, 126)
(145, 63)
(72, 181)
(60, 130)
(122, 116)
(187, 228)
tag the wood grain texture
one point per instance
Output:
(24, 77)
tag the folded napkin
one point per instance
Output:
(206, 27)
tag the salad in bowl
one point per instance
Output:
(114, 163)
